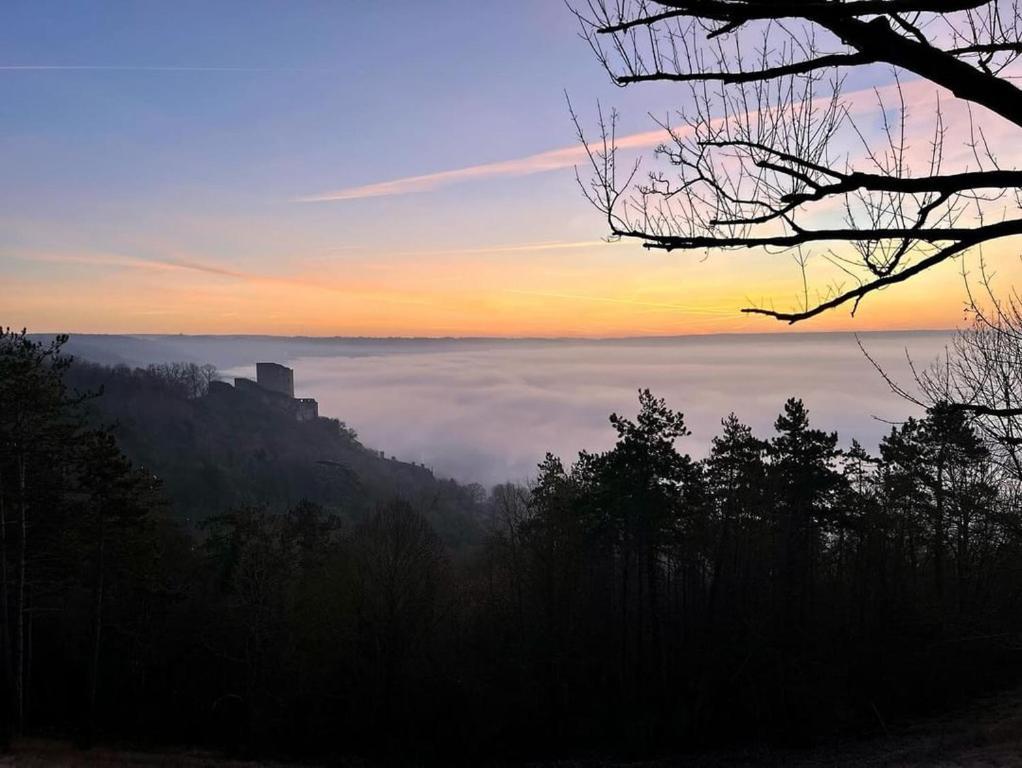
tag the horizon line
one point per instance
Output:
(630, 337)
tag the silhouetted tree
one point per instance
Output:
(634, 601)
(761, 153)
(116, 504)
(400, 574)
(38, 423)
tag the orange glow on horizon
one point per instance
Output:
(595, 291)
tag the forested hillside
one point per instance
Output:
(213, 452)
(631, 603)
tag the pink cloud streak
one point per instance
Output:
(541, 162)
(864, 100)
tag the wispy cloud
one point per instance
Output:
(134, 68)
(192, 265)
(711, 311)
(550, 160)
(496, 249)
(566, 157)
(134, 262)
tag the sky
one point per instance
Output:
(345, 168)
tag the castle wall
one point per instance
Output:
(306, 409)
(246, 385)
(274, 388)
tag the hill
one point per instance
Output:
(214, 451)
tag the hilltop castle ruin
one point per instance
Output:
(275, 387)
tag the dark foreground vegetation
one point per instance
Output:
(635, 603)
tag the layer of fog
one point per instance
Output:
(488, 411)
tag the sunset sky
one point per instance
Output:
(345, 168)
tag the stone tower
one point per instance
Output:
(276, 378)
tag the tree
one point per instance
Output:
(38, 422)
(187, 379)
(400, 573)
(805, 482)
(117, 501)
(736, 485)
(979, 376)
(276, 592)
(763, 154)
(643, 482)
(937, 475)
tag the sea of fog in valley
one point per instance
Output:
(487, 410)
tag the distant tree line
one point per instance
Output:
(637, 601)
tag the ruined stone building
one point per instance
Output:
(274, 387)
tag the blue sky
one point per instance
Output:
(338, 93)
(155, 154)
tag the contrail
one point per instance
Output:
(131, 68)
(550, 160)
(541, 162)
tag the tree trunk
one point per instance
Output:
(938, 540)
(19, 667)
(29, 624)
(97, 632)
(5, 637)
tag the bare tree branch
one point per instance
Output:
(759, 158)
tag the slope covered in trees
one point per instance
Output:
(634, 602)
(213, 452)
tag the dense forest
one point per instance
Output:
(174, 571)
